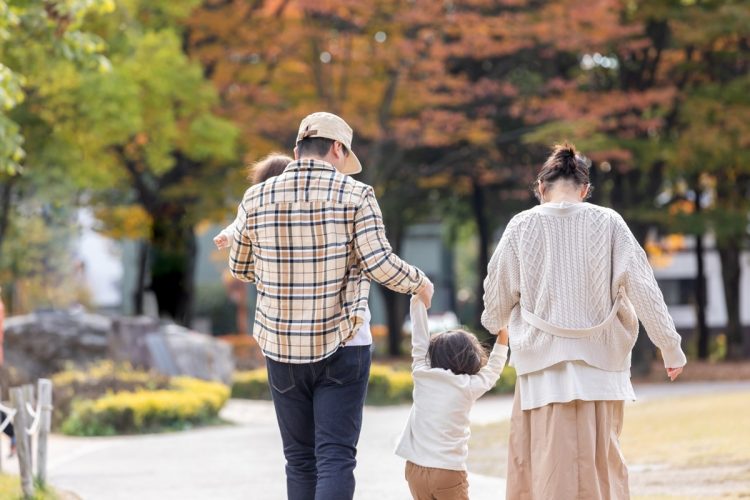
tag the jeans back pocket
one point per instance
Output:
(280, 376)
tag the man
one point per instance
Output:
(312, 240)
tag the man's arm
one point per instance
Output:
(241, 261)
(375, 253)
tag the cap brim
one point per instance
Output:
(352, 165)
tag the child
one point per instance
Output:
(260, 171)
(448, 379)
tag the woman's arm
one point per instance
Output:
(502, 286)
(644, 293)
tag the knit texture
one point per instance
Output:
(567, 265)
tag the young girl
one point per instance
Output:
(449, 377)
(260, 171)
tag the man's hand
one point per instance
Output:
(673, 373)
(426, 292)
(502, 337)
(221, 241)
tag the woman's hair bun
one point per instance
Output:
(564, 163)
(567, 159)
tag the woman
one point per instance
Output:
(570, 281)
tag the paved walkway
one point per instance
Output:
(244, 461)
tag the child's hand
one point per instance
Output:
(502, 337)
(673, 373)
(221, 241)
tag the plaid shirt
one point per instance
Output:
(312, 240)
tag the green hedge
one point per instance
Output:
(387, 385)
(107, 399)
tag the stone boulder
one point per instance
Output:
(42, 343)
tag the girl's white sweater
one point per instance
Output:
(570, 284)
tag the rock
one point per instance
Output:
(40, 344)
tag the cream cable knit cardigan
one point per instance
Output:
(571, 284)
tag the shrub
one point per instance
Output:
(507, 382)
(387, 385)
(108, 399)
(97, 380)
(252, 384)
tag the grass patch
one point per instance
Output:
(699, 447)
(691, 431)
(10, 489)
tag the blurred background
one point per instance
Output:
(126, 126)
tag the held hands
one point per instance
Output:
(673, 373)
(502, 337)
(221, 241)
(426, 292)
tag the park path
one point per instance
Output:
(245, 461)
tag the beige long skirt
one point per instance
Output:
(567, 451)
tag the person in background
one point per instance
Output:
(450, 372)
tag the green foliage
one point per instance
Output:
(252, 384)
(108, 399)
(387, 385)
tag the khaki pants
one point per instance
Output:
(567, 451)
(427, 483)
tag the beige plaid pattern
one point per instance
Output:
(312, 240)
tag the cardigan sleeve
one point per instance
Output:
(502, 284)
(640, 284)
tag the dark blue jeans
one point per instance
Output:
(319, 410)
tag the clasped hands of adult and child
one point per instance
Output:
(425, 295)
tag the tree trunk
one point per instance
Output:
(173, 255)
(483, 236)
(6, 191)
(731, 274)
(700, 288)
(140, 286)
(395, 303)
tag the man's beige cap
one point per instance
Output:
(330, 126)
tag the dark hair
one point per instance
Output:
(457, 351)
(267, 167)
(314, 146)
(564, 163)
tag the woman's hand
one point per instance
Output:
(673, 373)
(502, 337)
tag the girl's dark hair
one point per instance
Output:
(457, 351)
(564, 163)
(267, 167)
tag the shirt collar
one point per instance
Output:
(309, 164)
